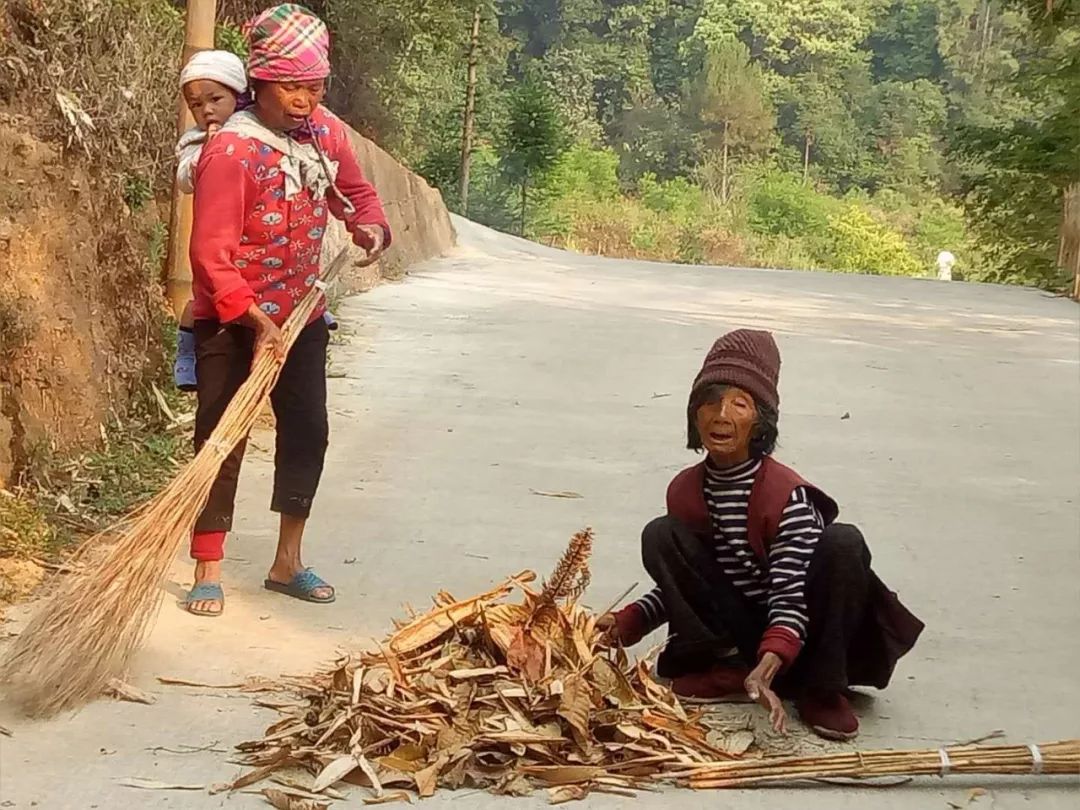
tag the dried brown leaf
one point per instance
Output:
(513, 784)
(280, 759)
(612, 683)
(563, 774)
(376, 680)
(357, 684)
(283, 801)
(431, 625)
(427, 780)
(373, 777)
(581, 645)
(526, 656)
(396, 671)
(739, 743)
(407, 758)
(478, 672)
(513, 687)
(575, 705)
(334, 772)
(389, 798)
(155, 784)
(198, 684)
(294, 786)
(522, 737)
(567, 793)
(125, 691)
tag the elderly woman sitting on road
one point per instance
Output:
(763, 593)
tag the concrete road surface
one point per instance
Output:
(945, 418)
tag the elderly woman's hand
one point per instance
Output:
(268, 337)
(371, 238)
(758, 686)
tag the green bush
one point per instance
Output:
(857, 243)
(584, 172)
(492, 200)
(779, 204)
(677, 197)
(230, 37)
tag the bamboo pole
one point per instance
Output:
(1046, 759)
(470, 111)
(198, 36)
(1069, 244)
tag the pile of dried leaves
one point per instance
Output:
(487, 693)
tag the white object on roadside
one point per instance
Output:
(945, 262)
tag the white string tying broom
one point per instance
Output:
(85, 634)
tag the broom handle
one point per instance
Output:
(254, 387)
(326, 278)
(618, 600)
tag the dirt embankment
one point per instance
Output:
(81, 312)
(79, 322)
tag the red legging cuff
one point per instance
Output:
(208, 546)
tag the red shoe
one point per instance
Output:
(721, 684)
(829, 715)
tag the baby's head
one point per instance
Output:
(212, 82)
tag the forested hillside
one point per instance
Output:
(857, 135)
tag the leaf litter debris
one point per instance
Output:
(492, 693)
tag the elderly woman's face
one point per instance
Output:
(726, 426)
(285, 105)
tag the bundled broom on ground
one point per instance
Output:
(85, 634)
(1050, 759)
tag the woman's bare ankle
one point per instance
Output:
(208, 571)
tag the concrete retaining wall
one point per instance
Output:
(418, 217)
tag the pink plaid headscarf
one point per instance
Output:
(288, 43)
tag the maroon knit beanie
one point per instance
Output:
(747, 359)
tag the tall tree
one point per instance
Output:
(534, 140)
(730, 100)
(904, 42)
(469, 123)
(905, 120)
(1022, 175)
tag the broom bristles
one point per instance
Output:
(86, 633)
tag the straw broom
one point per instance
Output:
(1055, 758)
(87, 632)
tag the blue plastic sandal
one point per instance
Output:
(205, 592)
(184, 366)
(303, 587)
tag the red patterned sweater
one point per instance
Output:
(248, 243)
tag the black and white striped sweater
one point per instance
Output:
(781, 586)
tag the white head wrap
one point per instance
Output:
(219, 66)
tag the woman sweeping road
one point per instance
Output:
(265, 185)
